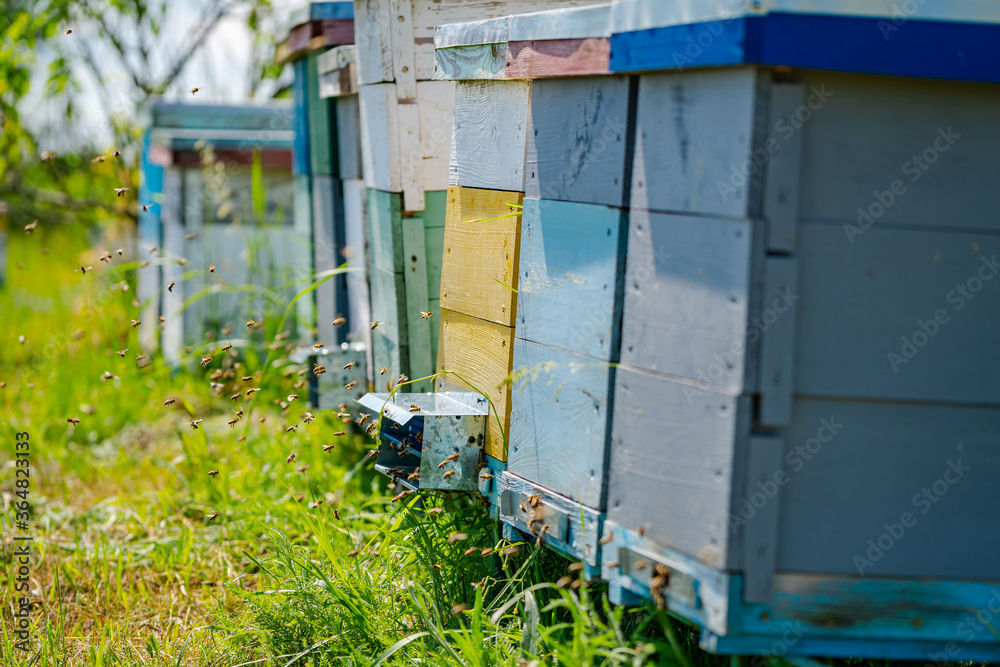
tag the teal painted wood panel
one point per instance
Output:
(323, 155)
(577, 135)
(387, 294)
(348, 137)
(418, 335)
(571, 265)
(384, 230)
(687, 299)
(482, 61)
(676, 451)
(855, 469)
(558, 421)
(694, 129)
(903, 314)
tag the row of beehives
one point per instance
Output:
(648, 303)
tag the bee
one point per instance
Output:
(195, 90)
(190, 237)
(383, 370)
(2, 385)
(227, 331)
(238, 412)
(108, 375)
(136, 323)
(350, 365)
(327, 448)
(105, 257)
(575, 567)
(340, 320)
(448, 474)
(414, 476)
(292, 397)
(121, 353)
(470, 551)
(250, 324)
(371, 429)
(426, 316)
(318, 346)
(308, 418)
(364, 417)
(213, 473)
(235, 396)
(291, 457)
(120, 251)
(338, 433)
(336, 513)
(352, 553)
(564, 581)
(318, 370)
(351, 385)
(213, 516)
(641, 565)
(211, 268)
(485, 475)
(512, 550)
(84, 269)
(22, 340)
(642, 531)
(457, 537)
(486, 552)
(161, 318)
(459, 608)
(375, 324)
(614, 564)
(251, 391)
(607, 538)
(247, 378)
(262, 420)
(302, 468)
(232, 422)
(145, 208)
(206, 361)
(121, 191)
(436, 566)
(170, 287)
(316, 504)
(534, 501)
(48, 155)
(73, 420)
(293, 427)
(182, 261)
(226, 348)
(448, 459)
(194, 424)
(140, 357)
(299, 384)
(170, 401)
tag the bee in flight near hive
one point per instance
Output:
(213, 516)
(232, 422)
(291, 457)
(213, 473)
(121, 191)
(226, 348)
(448, 474)
(375, 324)
(121, 353)
(170, 287)
(136, 323)
(195, 90)
(340, 320)
(84, 269)
(351, 385)
(73, 420)
(211, 268)
(318, 370)
(426, 316)
(327, 448)
(414, 407)
(383, 370)
(318, 346)
(350, 365)
(194, 424)
(206, 361)
(105, 257)
(170, 401)
(250, 324)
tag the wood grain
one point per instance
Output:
(410, 176)
(482, 61)
(384, 230)
(338, 72)
(559, 24)
(558, 421)
(380, 137)
(322, 146)
(576, 140)
(373, 41)
(557, 57)
(418, 335)
(480, 352)
(437, 103)
(777, 342)
(348, 137)
(784, 164)
(354, 251)
(570, 282)
(480, 264)
(490, 133)
(401, 38)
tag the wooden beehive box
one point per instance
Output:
(805, 391)
(201, 214)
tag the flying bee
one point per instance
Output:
(170, 287)
(105, 257)
(383, 370)
(227, 331)
(351, 385)
(485, 475)
(235, 396)
(136, 323)
(435, 510)
(607, 538)
(371, 429)
(121, 353)
(170, 401)
(303, 468)
(414, 476)
(161, 318)
(350, 365)
(120, 251)
(211, 268)
(30, 227)
(213, 473)
(232, 423)
(327, 448)
(414, 407)
(145, 208)
(316, 504)
(457, 537)
(48, 155)
(292, 397)
(353, 553)
(291, 457)
(247, 378)
(511, 550)
(564, 581)
(206, 361)
(262, 419)
(140, 357)
(84, 269)
(448, 459)
(182, 261)
(375, 324)
(308, 418)
(534, 501)
(108, 375)
(642, 531)
(250, 324)
(121, 191)
(251, 391)
(448, 474)
(194, 424)
(426, 316)
(436, 566)
(299, 384)
(213, 516)
(226, 348)
(613, 564)
(364, 417)
(336, 513)
(318, 370)
(338, 433)
(641, 565)
(293, 427)
(318, 346)
(575, 567)
(340, 320)
(195, 90)
(238, 412)
(190, 237)
(73, 420)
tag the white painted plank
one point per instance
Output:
(410, 157)
(401, 37)
(784, 157)
(472, 33)
(355, 246)
(379, 143)
(349, 137)
(373, 41)
(566, 23)
(437, 104)
(760, 533)
(777, 340)
(491, 120)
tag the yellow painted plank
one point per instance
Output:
(480, 352)
(479, 270)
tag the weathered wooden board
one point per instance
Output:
(384, 231)
(388, 299)
(434, 220)
(567, 23)
(775, 329)
(410, 176)
(380, 137)
(936, 142)
(358, 299)
(577, 136)
(418, 330)
(676, 451)
(479, 352)
(557, 57)
(401, 38)
(300, 101)
(694, 134)
(783, 153)
(322, 141)
(482, 61)
(328, 240)
(373, 40)
(760, 534)
(490, 133)
(479, 272)
(864, 466)
(172, 217)
(472, 33)
(349, 137)
(906, 314)
(338, 72)
(437, 102)
(687, 299)
(558, 421)
(570, 283)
